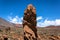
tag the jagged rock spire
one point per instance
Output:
(31, 7)
(29, 23)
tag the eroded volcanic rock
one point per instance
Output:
(29, 23)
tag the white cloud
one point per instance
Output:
(39, 18)
(46, 22)
(15, 20)
(57, 21)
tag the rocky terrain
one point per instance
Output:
(43, 33)
(16, 31)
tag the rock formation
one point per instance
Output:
(29, 23)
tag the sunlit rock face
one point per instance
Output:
(29, 23)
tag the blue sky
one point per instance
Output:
(48, 11)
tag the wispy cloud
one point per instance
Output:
(39, 18)
(16, 19)
(46, 22)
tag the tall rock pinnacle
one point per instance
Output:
(29, 23)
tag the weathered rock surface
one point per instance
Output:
(29, 23)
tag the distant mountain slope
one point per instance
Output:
(18, 25)
(3, 22)
(6, 23)
(52, 26)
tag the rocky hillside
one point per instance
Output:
(5, 23)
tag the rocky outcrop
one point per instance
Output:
(29, 23)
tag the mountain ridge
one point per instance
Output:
(6, 23)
